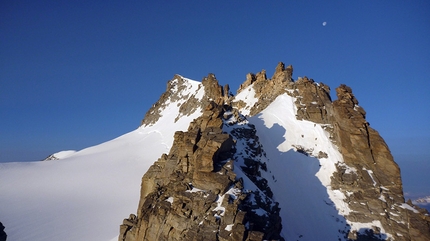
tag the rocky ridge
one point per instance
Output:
(194, 193)
(422, 201)
(183, 195)
(187, 103)
(369, 177)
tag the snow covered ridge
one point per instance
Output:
(354, 165)
(318, 161)
(189, 95)
(181, 92)
(422, 201)
(59, 155)
(85, 195)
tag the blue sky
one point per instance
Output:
(78, 73)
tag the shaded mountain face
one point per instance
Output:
(3, 235)
(279, 160)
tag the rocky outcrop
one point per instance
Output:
(188, 103)
(369, 177)
(173, 90)
(193, 192)
(51, 158)
(214, 91)
(374, 183)
(266, 90)
(313, 100)
(3, 235)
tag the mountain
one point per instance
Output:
(300, 167)
(277, 161)
(422, 201)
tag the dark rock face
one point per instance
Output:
(3, 234)
(193, 193)
(51, 158)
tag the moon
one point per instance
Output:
(324, 24)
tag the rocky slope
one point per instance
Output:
(194, 193)
(213, 184)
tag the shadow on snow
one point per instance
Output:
(307, 211)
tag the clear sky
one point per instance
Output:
(78, 73)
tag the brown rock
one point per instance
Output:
(283, 74)
(200, 158)
(180, 190)
(267, 89)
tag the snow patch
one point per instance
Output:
(370, 172)
(229, 227)
(248, 96)
(219, 210)
(64, 154)
(407, 206)
(194, 189)
(170, 200)
(260, 212)
(347, 168)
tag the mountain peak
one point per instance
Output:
(189, 95)
(357, 169)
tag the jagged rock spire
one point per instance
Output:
(283, 74)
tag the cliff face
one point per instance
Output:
(212, 185)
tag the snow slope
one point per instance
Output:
(86, 194)
(310, 208)
(300, 183)
(63, 154)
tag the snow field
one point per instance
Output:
(86, 194)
